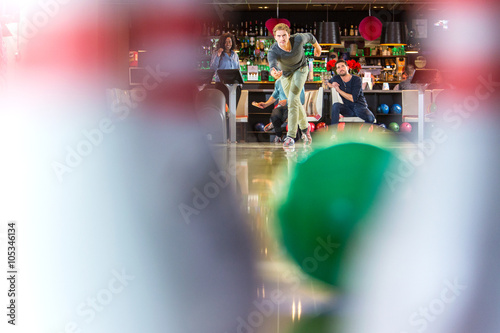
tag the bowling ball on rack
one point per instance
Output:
(259, 127)
(321, 126)
(312, 127)
(384, 108)
(396, 108)
(405, 127)
(394, 126)
(379, 109)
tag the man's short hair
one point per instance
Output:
(281, 26)
(340, 61)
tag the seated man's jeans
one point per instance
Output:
(278, 118)
(359, 111)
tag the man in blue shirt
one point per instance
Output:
(349, 89)
(279, 115)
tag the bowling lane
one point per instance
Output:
(285, 298)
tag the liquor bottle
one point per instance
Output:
(351, 33)
(246, 28)
(257, 30)
(314, 29)
(346, 33)
(242, 30)
(204, 31)
(261, 29)
(251, 49)
(250, 30)
(356, 31)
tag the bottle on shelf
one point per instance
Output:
(261, 29)
(351, 32)
(356, 31)
(212, 29)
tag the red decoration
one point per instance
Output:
(354, 66)
(330, 66)
(370, 28)
(271, 23)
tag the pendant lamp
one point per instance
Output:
(393, 33)
(329, 32)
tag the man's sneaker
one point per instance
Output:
(306, 136)
(269, 127)
(277, 139)
(289, 142)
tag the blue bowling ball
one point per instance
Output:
(259, 127)
(396, 108)
(384, 108)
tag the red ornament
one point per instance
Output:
(330, 66)
(370, 28)
(271, 23)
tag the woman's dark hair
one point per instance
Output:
(222, 41)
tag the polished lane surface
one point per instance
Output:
(285, 297)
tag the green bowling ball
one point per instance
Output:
(330, 195)
(394, 127)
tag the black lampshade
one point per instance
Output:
(393, 33)
(328, 33)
